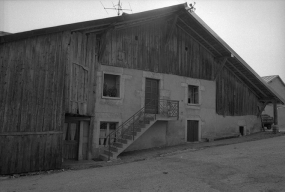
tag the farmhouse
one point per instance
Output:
(97, 88)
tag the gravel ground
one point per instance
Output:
(244, 164)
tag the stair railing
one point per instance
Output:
(168, 108)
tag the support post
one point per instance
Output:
(133, 128)
(275, 126)
(275, 113)
(80, 153)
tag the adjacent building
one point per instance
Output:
(276, 83)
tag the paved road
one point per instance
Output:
(250, 166)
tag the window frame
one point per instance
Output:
(108, 131)
(198, 94)
(119, 82)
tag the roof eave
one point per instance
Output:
(234, 54)
(92, 23)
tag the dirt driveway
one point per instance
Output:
(249, 166)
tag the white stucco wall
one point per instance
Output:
(171, 87)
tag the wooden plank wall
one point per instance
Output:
(31, 103)
(145, 47)
(151, 53)
(233, 97)
(81, 74)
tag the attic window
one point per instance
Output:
(136, 38)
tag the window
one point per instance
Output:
(193, 94)
(111, 85)
(105, 129)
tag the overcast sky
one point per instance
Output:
(255, 29)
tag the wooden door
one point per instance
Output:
(151, 95)
(192, 131)
(71, 140)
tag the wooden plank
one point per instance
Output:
(30, 133)
(275, 113)
(171, 29)
(4, 158)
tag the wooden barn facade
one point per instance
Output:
(98, 88)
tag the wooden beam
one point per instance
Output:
(224, 59)
(247, 79)
(80, 144)
(261, 109)
(125, 24)
(199, 36)
(30, 133)
(253, 92)
(76, 118)
(275, 113)
(90, 27)
(187, 32)
(171, 29)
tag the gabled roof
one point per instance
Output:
(269, 79)
(190, 22)
(2, 33)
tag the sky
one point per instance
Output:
(254, 29)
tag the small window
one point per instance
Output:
(111, 85)
(105, 129)
(193, 94)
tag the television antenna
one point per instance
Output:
(118, 7)
(192, 8)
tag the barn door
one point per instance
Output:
(151, 96)
(192, 131)
(71, 140)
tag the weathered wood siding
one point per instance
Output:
(81, 74)
(233, 97)
(152, 47)
(32, 103)
(144, 47)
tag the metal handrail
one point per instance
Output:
(130, 123)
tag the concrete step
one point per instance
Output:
(144, 122)
(130, 132)
(113, 149)
(129, 137)
(103, 157)
(108, 153)
(124, 141)
(119, 145)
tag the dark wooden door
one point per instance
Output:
(71, 140)
(192, 130)
(151, 95)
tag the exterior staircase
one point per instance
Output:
(130, 130)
